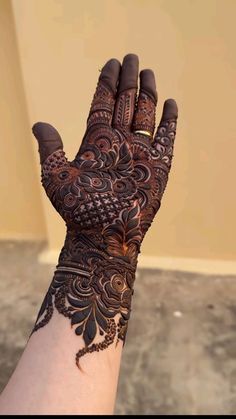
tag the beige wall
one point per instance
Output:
(190, 44)
(21, 213)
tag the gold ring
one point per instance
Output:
(143, 132)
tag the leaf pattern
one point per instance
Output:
(124, 232)
(108, 196)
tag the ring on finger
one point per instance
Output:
(143, 132)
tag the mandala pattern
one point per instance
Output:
(108, 197)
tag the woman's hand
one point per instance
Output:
(108, 196)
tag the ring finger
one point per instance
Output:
(144, 116)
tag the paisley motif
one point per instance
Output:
(108, 196)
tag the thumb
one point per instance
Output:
(48, 138)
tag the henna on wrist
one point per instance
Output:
(93, 290)
(108, 197)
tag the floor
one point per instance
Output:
(180, 354)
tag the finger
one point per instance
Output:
(164, 139)
(170, 110)
(126, 94)
(144, 115)
(102, 107)
(49, 140)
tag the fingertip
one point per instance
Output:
(170, 109)
(147, 71)
(35, 128)
(38, 130)
(110, 73)
(131, 57)
(148, 83)
(129, 72)
(113, 62)
(49, 139)
(45, 131)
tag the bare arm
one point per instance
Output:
(108, 196)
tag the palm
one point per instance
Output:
(115, 169)
(108, 196)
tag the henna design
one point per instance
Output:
(102, 105)
(91, 299)
(124, 108)
(144, 118)
(108, 197)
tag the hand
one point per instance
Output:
(108, 196)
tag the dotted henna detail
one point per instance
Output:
(124, 109)
(108, 197)
(144, 114)
(108, 340)
(93, 300)
(53, 162)
(102, 105)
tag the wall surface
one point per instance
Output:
(21, 211)
(191, 47)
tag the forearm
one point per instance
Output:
(47, 381)
(108, 197)
(71, 363)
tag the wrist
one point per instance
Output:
(81, 251)
(93, 288)
(96, 275)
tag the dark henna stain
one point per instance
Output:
(108, 197)
(144, 118)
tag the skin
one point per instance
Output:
(108, 196)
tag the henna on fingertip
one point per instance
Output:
(108, 197)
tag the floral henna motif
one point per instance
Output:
(108, 197)
(91, 298)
